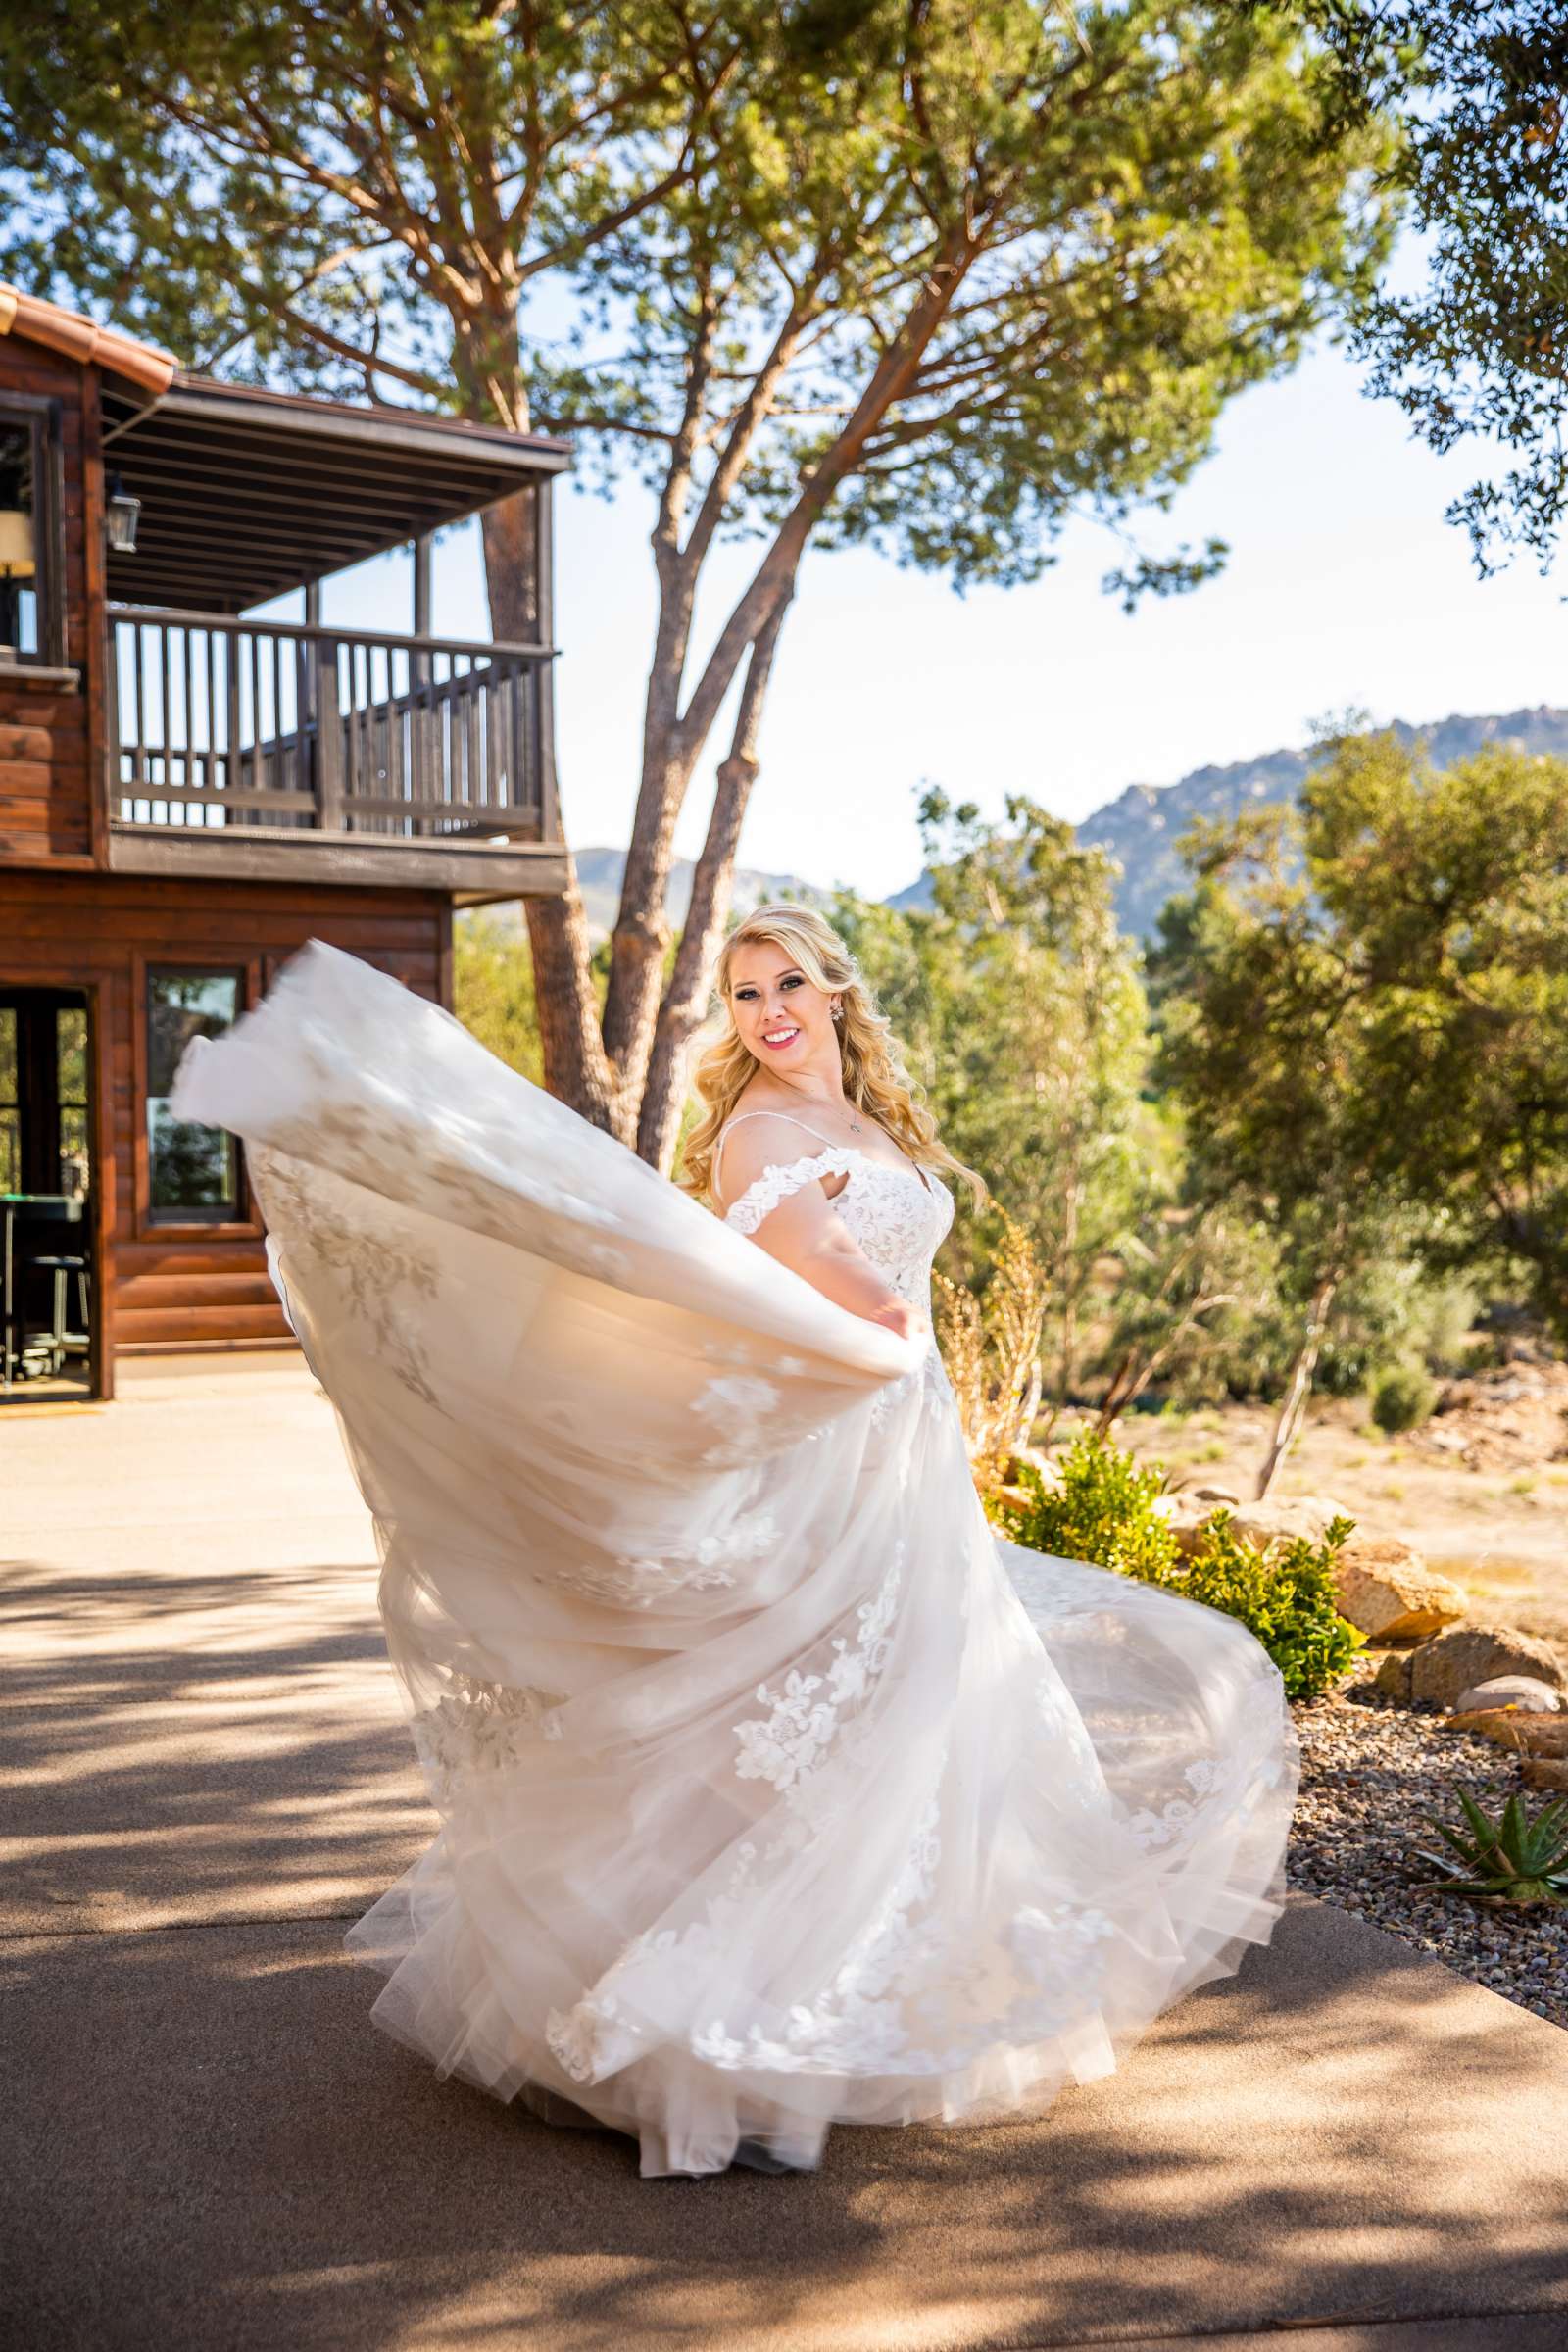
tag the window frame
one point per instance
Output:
(153, 1225)
(44, 414)
(12, 1107)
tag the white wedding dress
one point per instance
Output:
(774, 1790)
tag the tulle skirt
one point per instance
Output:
(774, 1792)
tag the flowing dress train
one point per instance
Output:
(774, 1790)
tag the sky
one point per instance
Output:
(1346, 590)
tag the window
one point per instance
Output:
(32, 608)
(193, 1173)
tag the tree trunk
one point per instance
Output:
(673, 746)
(577, 1069)
(1299, 1388)
(680, 1016)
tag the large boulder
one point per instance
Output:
(1384, 1587)
(1457, 1661)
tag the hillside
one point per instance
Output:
(1139, 828)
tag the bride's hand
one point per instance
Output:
(900, 1318)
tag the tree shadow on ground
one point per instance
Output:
(1343, 2131)
(194, 1748)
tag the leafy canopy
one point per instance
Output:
(1479, 347)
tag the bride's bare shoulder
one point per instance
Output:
(757, 1137)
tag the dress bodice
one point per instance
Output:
(898, 1215)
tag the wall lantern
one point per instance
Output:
(122, 514)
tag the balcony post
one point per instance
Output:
(544, 680)
(329, 738)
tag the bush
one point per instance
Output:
(1285, 1595)
(1402, 1398)
(1105, 1510)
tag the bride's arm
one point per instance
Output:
(803, 1233)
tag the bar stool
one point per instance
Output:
(61, 1342)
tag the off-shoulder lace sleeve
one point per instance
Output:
(763, 1195)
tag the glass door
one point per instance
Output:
(48, 1299)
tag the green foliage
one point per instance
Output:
(1402, 1398)
(1508, 1857)
(1400, 939)
(1078, 232)
(492, 992)
(1105, 1510)
(1473, 346)
(1285, 1595)
(1025, 1019)
(1444, 900)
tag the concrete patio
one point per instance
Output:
(205, 1775)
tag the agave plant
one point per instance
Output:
(1507, 1858)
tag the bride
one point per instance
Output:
(774, 1790)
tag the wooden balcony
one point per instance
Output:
(271, 751)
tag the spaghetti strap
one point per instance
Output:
(740, 1121)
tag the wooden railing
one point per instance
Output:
(216, 722)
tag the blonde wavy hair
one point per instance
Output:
(875, 1080)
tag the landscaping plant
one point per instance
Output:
(1402, 1398)
(1105, 1510)
(1507, 1858)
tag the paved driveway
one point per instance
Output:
(203, 1775)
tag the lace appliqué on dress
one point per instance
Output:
(479, 1727)
(760, 1200)
(631, 1582)
(381, 1271)
(787, 1744)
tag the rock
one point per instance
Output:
(1260, 1523)
(1385, 1588)
(1526, 1691)
(1467, 1654)
(1538, 1773)
(1393, 1675)
(1506, 1726)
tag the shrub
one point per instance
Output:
(1402, 1398)
(1105, 1510)
(1284, 1594)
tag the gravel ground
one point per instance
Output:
(1372, 1772)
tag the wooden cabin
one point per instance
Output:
(188, 794)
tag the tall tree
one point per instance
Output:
(1262, 1040)
(918, 273)
(1371, 1041)
(1447, 895)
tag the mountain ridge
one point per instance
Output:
(1139, 827)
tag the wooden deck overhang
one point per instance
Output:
(471, 873)
(247, 493)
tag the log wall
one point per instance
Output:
(47, 732)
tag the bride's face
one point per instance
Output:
(779, 1017)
